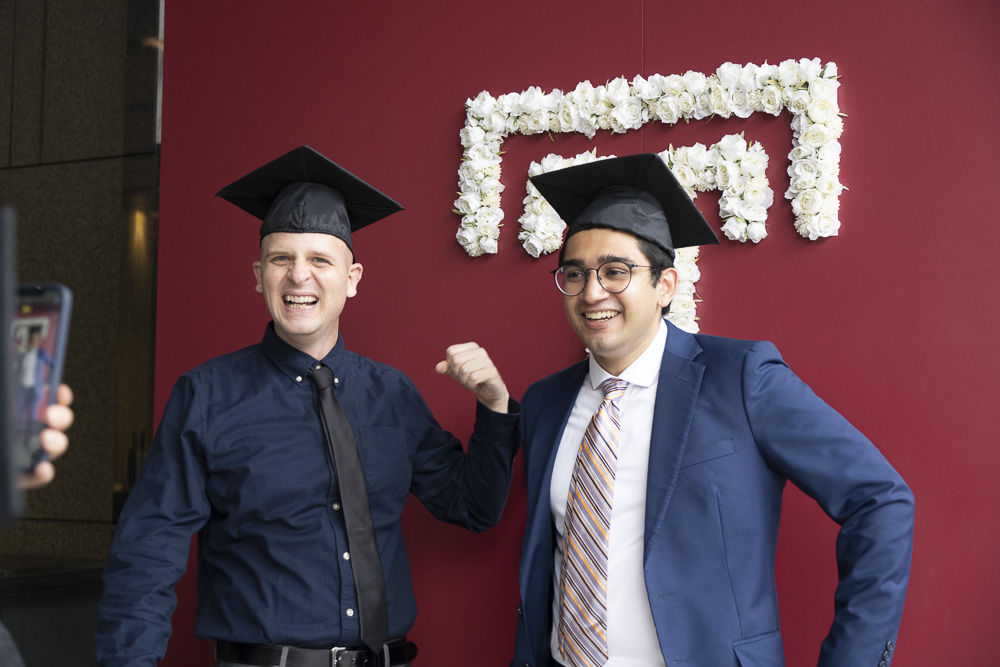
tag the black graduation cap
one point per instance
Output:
(636, 194)
(304, 191)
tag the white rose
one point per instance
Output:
(695, 82)
(532, 245)
(741, 105)
(497, 122)
(830, 69)
(758, 193)
(735, 229)
(584, 95)
(488, 245)
(697, 156)
(482, 106)
(627, 116)
(766, 75)
(647, 89)
(728, 204)
(800, 183)
(806, 167)
(468, 203)
(481, 153)
(666, 109)
(466, 236)
(685, 176)
(770, 100)
(728, 74)
(509, 103)
(752, 214)
(824, 89)
(584, 124)
(617, 91)
(536, 122)
(829, 186)
(756, 231)
(821, 111)
(748, 77)
(702, 106)
(754, 162)
(718, 101)
(809, 69)
(815, 136)
(673, 84)
(488, 217)
(807, 202)
(563, 118)
(732, 147)
(798, 101)
(551, 162)
(529, 100)
(788, 73)
(686, 105)
(471, 135)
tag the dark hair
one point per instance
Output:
(659, 260)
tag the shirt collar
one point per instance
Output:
(643, 371)
(293, 362)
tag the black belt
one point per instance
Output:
(400, 652)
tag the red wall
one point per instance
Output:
(892, 322)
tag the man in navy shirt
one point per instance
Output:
(240, 458)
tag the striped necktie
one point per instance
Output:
(583, 593)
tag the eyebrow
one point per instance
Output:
(601, 260)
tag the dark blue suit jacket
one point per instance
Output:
(732, 424)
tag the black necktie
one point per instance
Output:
(373, 615)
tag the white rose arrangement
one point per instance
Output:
(806, 88)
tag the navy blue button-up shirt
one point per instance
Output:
(240, 458)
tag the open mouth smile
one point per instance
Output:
(296, 302)
(600, 315)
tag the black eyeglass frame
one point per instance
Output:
(597, 272)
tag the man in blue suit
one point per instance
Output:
(677, 566)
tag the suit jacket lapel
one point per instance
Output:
(676, 396)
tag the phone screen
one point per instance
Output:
(38, 344)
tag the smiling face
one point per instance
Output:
(616, 328)
(306, 280)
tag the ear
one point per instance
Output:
(256, 274)
(666, 287)
(353, 278)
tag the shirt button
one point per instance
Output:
(336, 380)
(349, 612)
(298, 378)
(347, 556)
(336, 507)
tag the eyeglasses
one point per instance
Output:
(613, 276)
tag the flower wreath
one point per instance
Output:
(806, 88)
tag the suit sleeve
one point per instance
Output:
(149, 553)
(825, 456)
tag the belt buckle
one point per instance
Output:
(335, 655)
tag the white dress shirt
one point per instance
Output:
(631, 634)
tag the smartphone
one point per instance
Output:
(38, 333)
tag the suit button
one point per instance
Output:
(883, 664)
(889, 645)
(885, 656)
(520, 612)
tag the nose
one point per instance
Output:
(299, 271)
(592, 288)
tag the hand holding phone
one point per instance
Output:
(38, 340)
